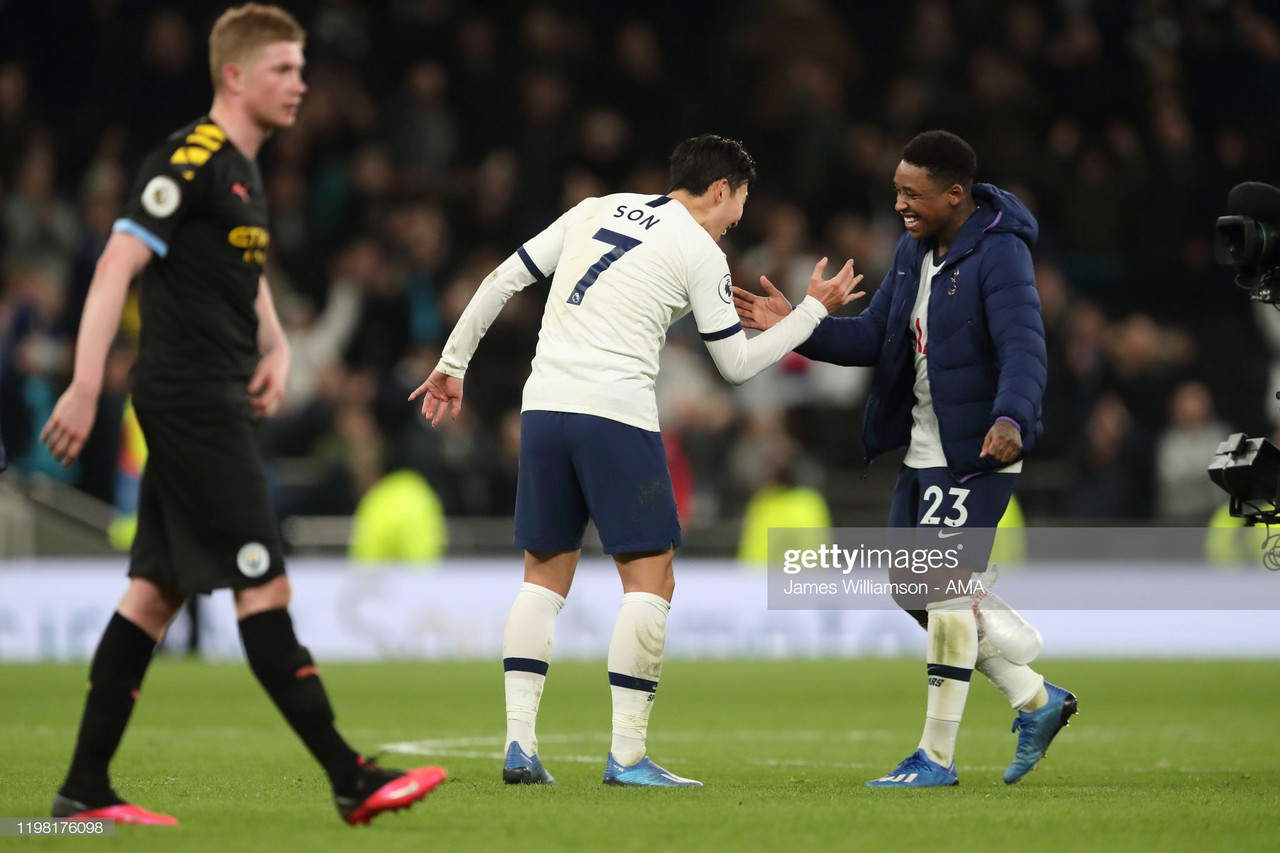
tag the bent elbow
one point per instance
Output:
(736, 374)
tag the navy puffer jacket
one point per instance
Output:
(986, 339)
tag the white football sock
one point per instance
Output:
(1020, 684)
(635, 663)
(953, 649)
(526, 654)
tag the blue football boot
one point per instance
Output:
(1036, 730)
(521, 769)
(644, 774)
(917, 770)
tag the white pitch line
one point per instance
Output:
(464, 747)
(745, 735)
(490, 748)
(440, 749)
(461, 748)
(496, 755)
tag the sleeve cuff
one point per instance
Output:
(1012, 421)
(813, 308)
(450, 369)
(150, 240)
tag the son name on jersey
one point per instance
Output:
(635, 214)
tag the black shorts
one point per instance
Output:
(204, 518)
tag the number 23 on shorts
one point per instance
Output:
(934, 497)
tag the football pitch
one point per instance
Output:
(1166, 755)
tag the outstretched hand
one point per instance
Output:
(763, 312)
(837, 291)
(760, 312)
(439, 392)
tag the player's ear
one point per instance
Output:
(720, 190)
(231, 74)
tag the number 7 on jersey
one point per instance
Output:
(621, 245)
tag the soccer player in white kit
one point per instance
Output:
(623, 268)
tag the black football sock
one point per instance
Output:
(291, 679)
(115, 677)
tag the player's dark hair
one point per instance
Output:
(699, 162)
(945, 157)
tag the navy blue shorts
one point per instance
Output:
(930, 499)
(575, 466)
(931, 496)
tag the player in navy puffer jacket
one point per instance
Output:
(957, 342)
(986, 339)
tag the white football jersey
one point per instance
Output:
(623, 268)
(925, 447)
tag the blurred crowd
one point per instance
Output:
(438, 134)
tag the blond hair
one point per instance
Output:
(241, 32)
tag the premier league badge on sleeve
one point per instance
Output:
(726, 289)
(161, 196)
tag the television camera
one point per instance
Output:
(1248, 238)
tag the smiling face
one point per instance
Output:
(927, 208)
(728, 210)
(272, 86)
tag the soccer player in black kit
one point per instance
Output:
(212, 357)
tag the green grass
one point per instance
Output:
(1164, 756)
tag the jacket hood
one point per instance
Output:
(1000, 211)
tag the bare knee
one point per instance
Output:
(551, 570)
(149, 606)
(652, 573)
(665, 584)
(272, 595)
